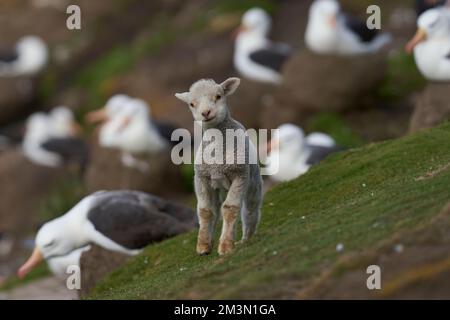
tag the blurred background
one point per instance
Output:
(152, 49)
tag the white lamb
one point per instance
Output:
(240, 181)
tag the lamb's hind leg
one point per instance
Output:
(231, 209)
(207, 216)
(252, 211)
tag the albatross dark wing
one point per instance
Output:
(319, 153)
(165, 130)
(70, 149)
(8, 55)
(273, 59)
(135, 219)
(359, 27)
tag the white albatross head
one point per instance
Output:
(33, 55)
(256, 22)
(63, 122)
(55, 239)
(432, 23)
(324, 13)
(112, 108)
(287, 138)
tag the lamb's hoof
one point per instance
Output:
(203, 249)
(225, 247)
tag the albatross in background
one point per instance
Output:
(48, 143)
(431, 44)
(128, 127)
(291, 154)
(122, 221)
(330, 31)
(424, 5)
(28, 57)
(255, 56)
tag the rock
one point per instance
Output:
(24, 186)
(432, 107)
(16, 94)
(95, 264)
(313, 83)
(107, 172)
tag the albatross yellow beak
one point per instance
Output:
(332, 21)
(35, 258)
(420, 36)
(75, 129)
(97, 116)
(237, 31)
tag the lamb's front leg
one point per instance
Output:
(231, 210)
(207, 215)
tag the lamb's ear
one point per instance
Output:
(230, 85)
(183, 96)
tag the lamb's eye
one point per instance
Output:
(218, 97)
(192, 105)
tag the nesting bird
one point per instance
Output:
(330, 31)
(28, 57)
(127, 126)
(424, 5)
(121, 221)
(255, 56)
(291, 154)
(51, 140)
(431, 44)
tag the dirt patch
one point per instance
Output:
(432, 107)
(50, 288)
(433, 173)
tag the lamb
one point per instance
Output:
(241, 182)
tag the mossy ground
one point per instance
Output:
(357, 198)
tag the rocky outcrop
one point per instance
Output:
(16, 95)
(95, 264)
(314, 83)
(432, 107)
(107, 172)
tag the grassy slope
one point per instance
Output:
(357, 198)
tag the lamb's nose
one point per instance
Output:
(206, 113)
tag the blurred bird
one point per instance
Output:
(121, 221)
(48, 143)
(128, 127)
(330, 31)
(255, 56)
(424, 5)
(431, 44)
(63, 123)
(28, 57)
(291, 154)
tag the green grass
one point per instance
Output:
(402, 78)
(357, 198)
(227, 6)
(334, 125)
(62, 198)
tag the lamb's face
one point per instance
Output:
(207, 100)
